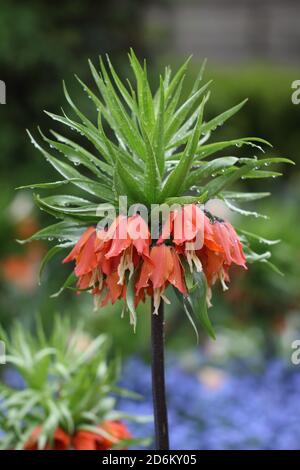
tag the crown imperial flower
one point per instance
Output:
(152, 148)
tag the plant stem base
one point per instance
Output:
(158, 379)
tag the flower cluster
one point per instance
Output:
(191, 240)
(110, 433)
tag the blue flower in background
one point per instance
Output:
(233, 408)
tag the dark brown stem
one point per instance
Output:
(158, 379)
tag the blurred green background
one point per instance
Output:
(249, 55)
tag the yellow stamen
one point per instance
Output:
(193, 260)
(125, 264)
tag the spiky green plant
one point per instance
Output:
(153, 148)
(67, 383)
(150, 146)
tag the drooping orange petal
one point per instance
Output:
(212, 264)
(209, 237)
(108, 266)
(145, 274)
(237, 253)
(163, 264)
(118, 228)
(79, 245)
(61, 440)
(117, 430)
(138, 232)
(115, 290)
(176, 277)
(87, 259)
(118, 246)
(222, 239)
(84, 281)
(189, 224)
(184, 225)
(84, 440)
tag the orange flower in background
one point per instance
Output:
(110, 434)
(61, 440)
(21, 270)
(26, 227)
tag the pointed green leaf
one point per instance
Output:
(131, 183)
(221, 182)
(240, 196)
(70, 281)
(50, 254)
(92, 187)
(182, 112)
(198, 303)
(221, 118)
(176, 179)
(158, 137)
(62, 231)
(209, 169)
(130, 294)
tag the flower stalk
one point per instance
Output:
(158, 378)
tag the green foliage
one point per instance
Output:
(69, 383)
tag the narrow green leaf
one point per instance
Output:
(244, 212)
(85, 154)
(176, 80)
(198, 302)
(130, 293)
(209, 169)
(70, 281)
(152, 175)
(86, 213)
(253, 174)
(182, 112)
(121, 87)
(272, 266)
(63, 231)
(186, 199)
(176, 179)
(240, 196)
(204, 151)
(199, 76)
(221, 118)
(92, 187)
(158, 137)
(122, 121)
(260, 239)
(221, 182)
(50, 254)
(131, 184)
(92, 135)
(52, 185)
